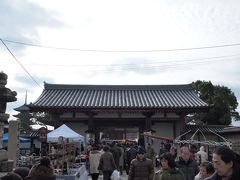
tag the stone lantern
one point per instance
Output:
(6, 95)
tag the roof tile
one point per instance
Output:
(119, 96)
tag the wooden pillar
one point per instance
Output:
(141, 140)
(148, 120)
(174, 129)
(182, 122)
(91, 127)
(54, 118)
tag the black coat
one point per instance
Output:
(190, 168)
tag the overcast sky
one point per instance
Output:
(119, 42)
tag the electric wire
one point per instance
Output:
(206, 59)
(20, 64)
(132, 64)
(142, 67)
(160, 67)
(137, 68)
(176, 61)
(122, 51)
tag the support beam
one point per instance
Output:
(91, 127)
(148, 120)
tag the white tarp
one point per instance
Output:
(65, 132)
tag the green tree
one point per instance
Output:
(41, 118)
(27, 119)
(223, 100)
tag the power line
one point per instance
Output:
(152, 65)
(122, 51)
(155, 64)
(176, 61)
(20, 64)
(146, 68)
(159, 67)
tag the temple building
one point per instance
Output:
(116, 112)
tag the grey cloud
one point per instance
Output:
(236, 91)
(28, 82)
(235, 88)
(19, 20)
(137, 65)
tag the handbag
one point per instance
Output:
(115, 175)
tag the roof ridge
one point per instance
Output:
(79, 97)
(118, 87)
(208, 125)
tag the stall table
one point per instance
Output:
(79, 173)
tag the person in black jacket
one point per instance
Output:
(130, 155)
(226, 163)
(116, 152)
(187, 165)
(141, 168)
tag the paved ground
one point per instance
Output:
(123, 177)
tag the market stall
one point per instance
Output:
(63, 143)
(65, 132)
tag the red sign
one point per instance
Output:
(43, 134)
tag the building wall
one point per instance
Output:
(78, 127)
(162, 129)
(235, 140)
(169, 124)
(165, 124)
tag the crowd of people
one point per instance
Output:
(41, 171)
(139, 164)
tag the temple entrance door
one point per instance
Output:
(115, 133)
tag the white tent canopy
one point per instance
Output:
(65, 132)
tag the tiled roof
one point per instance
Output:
(31, 133)
(205, 128)
(233, 129)
(34, 133)
(23, 108)
(119, 97)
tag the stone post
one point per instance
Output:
(3, 153)
(6, 95)
(13, 142)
